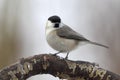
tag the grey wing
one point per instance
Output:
(67, 32)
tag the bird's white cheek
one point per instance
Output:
(49, 24)
(49, 27)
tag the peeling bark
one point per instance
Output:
(56, 66)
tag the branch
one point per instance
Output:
(56, 66)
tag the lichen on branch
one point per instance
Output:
(56, 66)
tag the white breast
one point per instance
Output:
(58, 43)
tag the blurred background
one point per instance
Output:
(22, 30)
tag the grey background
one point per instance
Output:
(22, 30)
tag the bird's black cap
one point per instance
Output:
(54, 19)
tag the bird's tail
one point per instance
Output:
(95, 43)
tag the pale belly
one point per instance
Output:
(61, 44)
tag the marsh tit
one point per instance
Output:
(63, 38)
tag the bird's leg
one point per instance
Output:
(67, 55)
(57, 53)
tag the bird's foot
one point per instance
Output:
(66, 57)
(56, 53)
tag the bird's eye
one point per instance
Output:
(56, 25)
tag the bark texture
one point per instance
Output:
(56, 66)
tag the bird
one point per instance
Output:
(62, 38)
